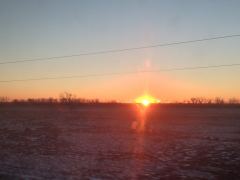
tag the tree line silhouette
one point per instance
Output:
(64, 98)
(71, 99)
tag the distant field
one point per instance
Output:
(98, 142)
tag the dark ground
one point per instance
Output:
(98, 143)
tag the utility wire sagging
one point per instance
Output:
(54, 58)
(121, 73)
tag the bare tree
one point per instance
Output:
(208, 101)
(198, 100)
(233, 101)
(193, 100)
(67, 98)
(4, 99)
(219, 100)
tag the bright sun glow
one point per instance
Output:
(146, 100)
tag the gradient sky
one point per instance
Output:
(43, 28)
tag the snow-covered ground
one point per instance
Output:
(100, 143)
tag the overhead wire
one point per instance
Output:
(121, 73)
(55, 58)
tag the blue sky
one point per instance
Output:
(43, 28)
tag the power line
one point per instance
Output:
(121, 73)
(54, 58)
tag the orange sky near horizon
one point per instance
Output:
(124, 88)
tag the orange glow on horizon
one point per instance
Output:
(146, 100)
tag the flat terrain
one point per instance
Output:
(44, 142)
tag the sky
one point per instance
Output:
(42, 28)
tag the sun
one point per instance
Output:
(146, 100)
